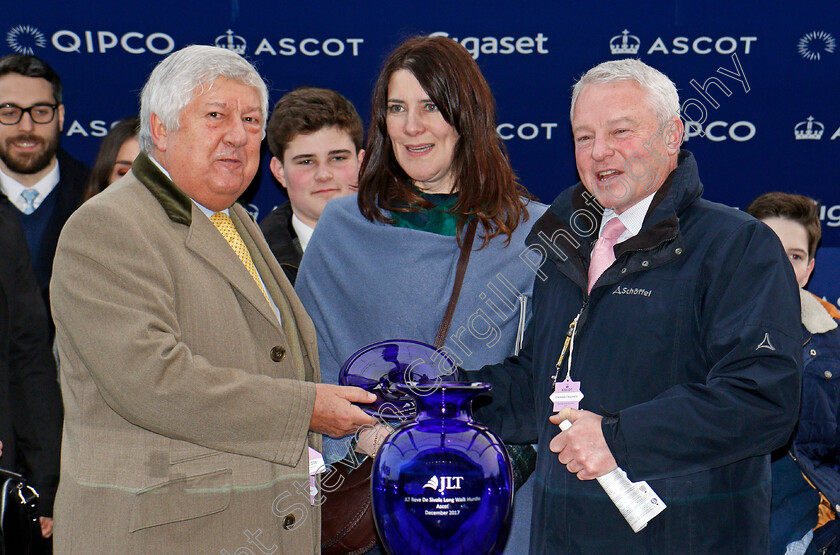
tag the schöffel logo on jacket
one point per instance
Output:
(631, 291)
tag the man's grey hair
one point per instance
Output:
(186, 74)
(662, 93)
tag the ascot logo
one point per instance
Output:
(815, 44)
(809, 130)
(234, 43)
(625, 44)
(310, 46)
(23, 39)
(526, 131)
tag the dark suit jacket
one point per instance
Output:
(70, 191)
(282, 239)
(30, 402)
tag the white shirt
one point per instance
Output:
(304, 232)
(632, 218)
(12, 188)
(207, 212)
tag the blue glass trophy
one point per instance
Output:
(442, 483)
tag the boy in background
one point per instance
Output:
(803, 518)
(316, 139)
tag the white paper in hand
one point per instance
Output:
(636, 501)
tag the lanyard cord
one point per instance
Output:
(568, 345)
(571, 350)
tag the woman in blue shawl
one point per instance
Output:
(381, 265)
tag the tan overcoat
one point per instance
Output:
(187, 404)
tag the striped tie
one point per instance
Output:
(225, 226)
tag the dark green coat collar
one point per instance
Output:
(174, 201)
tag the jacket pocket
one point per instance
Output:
(181, 499)
(185, 452)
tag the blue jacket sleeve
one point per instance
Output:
(508, 408)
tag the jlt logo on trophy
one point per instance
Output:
(444, 483)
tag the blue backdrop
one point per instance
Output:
(759, 79)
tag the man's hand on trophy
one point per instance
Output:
(335, 414)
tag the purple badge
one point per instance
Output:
(566, 395)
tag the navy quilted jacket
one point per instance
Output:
(688, 345)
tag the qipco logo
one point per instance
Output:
(102, 41)
(717, 131)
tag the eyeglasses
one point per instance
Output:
(11, 114)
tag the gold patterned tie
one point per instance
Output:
(225, 226)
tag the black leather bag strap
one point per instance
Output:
(463, 259)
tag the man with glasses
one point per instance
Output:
(41, 180)
(44, 185)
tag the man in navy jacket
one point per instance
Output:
(685, 348)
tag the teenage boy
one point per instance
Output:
(798, 518)
(316, 138)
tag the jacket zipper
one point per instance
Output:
(807, 478)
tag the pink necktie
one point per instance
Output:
(603, 255)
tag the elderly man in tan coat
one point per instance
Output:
(188, 366)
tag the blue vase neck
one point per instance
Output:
(449, 400)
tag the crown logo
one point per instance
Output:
(625, 44)
(231, 42)
(809, 130)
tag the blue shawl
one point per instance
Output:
(363, 282)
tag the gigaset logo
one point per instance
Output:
(830, 215)
(503, 45)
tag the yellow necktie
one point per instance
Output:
(225, 226)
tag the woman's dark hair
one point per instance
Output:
(107, 157)
(483, 178)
